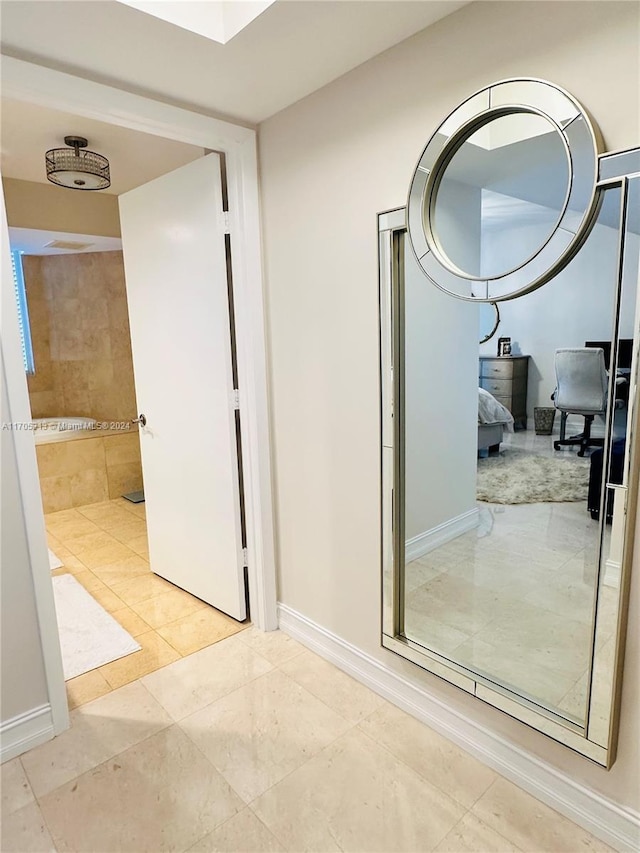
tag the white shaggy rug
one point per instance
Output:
(519, 477)
(54, 561)
(89, 636)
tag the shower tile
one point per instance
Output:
(53, 459)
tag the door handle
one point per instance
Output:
(141, 419)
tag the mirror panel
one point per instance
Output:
(491, 210)
(520, 603)
(489, 320)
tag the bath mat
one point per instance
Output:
(519, 477)
(135, 497)
(54, 561)
(89, 636)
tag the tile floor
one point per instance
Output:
(104, 546)
(256, 744)
(514, 598)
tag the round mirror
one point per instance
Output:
(489, 320)
(508, 182)
(505, 192)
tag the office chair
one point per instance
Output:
(581, 389)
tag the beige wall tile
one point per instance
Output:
(56, 493)
(122, 448)
(124, 478)
(88, 486)
(53, 459)
(86, 454)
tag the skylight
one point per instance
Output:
(217, 20)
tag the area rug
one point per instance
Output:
(89, 636)
(54, 561)
(519, 477)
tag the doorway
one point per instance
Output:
(239, 147)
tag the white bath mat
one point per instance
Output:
(54, 561)
(89, 636)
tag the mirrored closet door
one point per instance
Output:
(508, 432)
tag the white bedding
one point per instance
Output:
(490, 411)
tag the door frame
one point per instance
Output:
(24, 81)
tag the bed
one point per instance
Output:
(493, 419)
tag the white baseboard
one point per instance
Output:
(421, 544)
(612, 574)
(617, 826)
(25, 731)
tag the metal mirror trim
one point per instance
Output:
(592, 739)
(582, 143)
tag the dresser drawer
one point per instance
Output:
(496, 368)
(497, 387)
(504, 368)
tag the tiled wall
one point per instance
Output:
(88, 470)
(80, 332)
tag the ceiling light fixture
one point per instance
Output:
(76, 169)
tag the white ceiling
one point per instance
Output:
(289, 51)
(30, 241)
(27, 131)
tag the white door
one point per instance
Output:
(175, 268)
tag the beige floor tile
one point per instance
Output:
(61, 571)
(275, 646)
(192, 683)
(14, 787)
(71, 527)
(155, 652)
(441, 762)
(122, 570)
(130, 530)
(25, 831)
(243, 833)
(140, 545)
(100, 591)
(99, 730)
(139, 510)
(106, 555)
(355, 796)
(140, 588)
(53, 542)
(261, 732)
(335, 688)
(89, 542)
(106, 515)
(530, 824)
(131, 622)
(160, 795)
(168, 607)
(473, 836)
(87, 687)
(71, 563)
(202, 628)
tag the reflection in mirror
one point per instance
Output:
(501, 195)
(502, 568)
(489, 315)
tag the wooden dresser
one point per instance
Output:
(506, 379)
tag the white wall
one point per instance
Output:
(329, 164)
(441, 403)
(575, 307)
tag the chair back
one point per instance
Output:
(581, 380)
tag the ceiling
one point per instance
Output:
(28, 130)
(30, 241)
(292, 49)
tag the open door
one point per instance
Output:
(176, 275)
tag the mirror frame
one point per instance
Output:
(615, 169)
(582, 143)
(488, 336)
